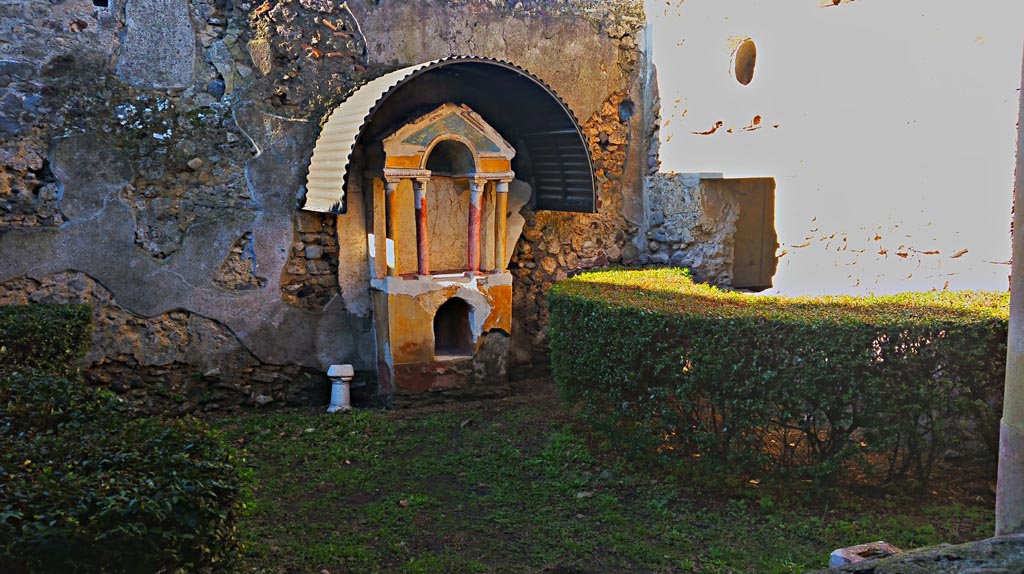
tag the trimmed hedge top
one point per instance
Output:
(673, 291)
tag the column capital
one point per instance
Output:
(501, 186)
(476, 184)
(419, 186)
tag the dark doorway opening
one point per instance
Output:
(452, 335)
(755, 242)
(754, 261)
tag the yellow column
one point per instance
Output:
(487, 227)
(501, 227)
(419, 187)
(391, 191)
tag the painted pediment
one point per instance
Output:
(409, 146)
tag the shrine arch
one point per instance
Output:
(553, 157)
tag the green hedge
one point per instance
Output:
(87, 488)
(50, 338)
(679, 371)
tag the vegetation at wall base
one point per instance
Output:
(681, 373)
(50, 338)
(85, 486)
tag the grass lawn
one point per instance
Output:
(515, 485)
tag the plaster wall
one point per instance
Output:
(887, 126)
(448, 222)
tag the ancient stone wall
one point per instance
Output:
(152, 154)
(690, 225)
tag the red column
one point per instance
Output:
(422, 239)
(476, 195)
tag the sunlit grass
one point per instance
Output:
(516, 486)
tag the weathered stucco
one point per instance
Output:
(159, 44)
(541, 38)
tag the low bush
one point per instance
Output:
(87, 487)
(50, 338)
(675, 370)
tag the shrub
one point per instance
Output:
(87, 488)
(671, 369)
(51, 338)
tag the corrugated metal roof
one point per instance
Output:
(552, 154)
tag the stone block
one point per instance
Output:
(259, 51)
(549, 264)
(307, 222)
(159, 46)
(314, 252)
(318, 267)
(860, 552)
(219, 56)
(16, 69)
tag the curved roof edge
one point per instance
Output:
(327, 176)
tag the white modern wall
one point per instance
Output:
(888, 126)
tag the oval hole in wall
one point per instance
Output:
(744, 59)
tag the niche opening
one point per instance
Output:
(450, 157)
(452, 335)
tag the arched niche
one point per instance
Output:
(554, 157)
(450, 156)
(453, 336)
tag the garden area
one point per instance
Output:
(685, 430)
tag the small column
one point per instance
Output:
(391, 191)
(476, 195)
(501, 225)
(419, 187)
(341, 379)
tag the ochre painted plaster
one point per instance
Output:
(404, 161)
(410, 318)
(495, 165)
(500, 299)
